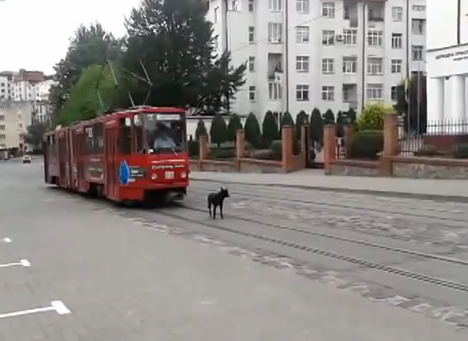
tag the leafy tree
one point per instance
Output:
(252, 130)
(88, 47)
(316, 128)
(173, 40)
(340, 123)
(269, 128)
(201, 130)
(329, 117)
(372, 117)
(89, 97)
(218, 130)
(301, 120)
(34, 134)
(415, 93)
(234, 125)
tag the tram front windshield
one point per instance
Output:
(164, 133)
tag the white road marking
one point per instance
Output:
(56, 306)
(5, 241)
(23, 262)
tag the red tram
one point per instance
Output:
(138, 154)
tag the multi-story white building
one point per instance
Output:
(23, 98)
(337, 55)
(447, 60)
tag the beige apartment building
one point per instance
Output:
(15, 117)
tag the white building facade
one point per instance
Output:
(447, 60)
(336, 55)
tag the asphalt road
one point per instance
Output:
(283, 264)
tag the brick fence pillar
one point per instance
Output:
(348, 137)
(203, 147)
(329, 146)
(286, 148)
(240, 144)
(391, 143)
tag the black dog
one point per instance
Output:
(217, 199)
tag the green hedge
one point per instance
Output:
(367, 144)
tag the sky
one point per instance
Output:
(35, 34)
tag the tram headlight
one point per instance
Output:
(154, 176)
(183, 175)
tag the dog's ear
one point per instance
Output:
(222, 188)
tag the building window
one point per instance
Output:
(302, 92)
(275, 32)
(374, 66)
(252, 91)
(328, 37)
(349, 37)
(397, 39)
(275, 91)
(417, 52)
(328, 65)
(251, 5)
(375, 38)
(251, 64)
(394, 93)
(302, 6)
(375, 92)
(397, 13)
(2, 127)
(397, 65)
(2, 117)
(417, 26)
(302, 63)
(419, 8)
(251, 34)
(328, 93)
(275, 5)
(328, 9)
(235, 6)
(302, 34)
(216, 15)
(350, 65)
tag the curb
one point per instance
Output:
(382, 193)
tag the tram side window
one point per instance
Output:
(98, 139)
(125, 135)
(89, 140)
(138, 128)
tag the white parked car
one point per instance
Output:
(26, 159)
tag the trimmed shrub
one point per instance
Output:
(340, 123)
(287, 120)
(276, 149)
(316, 128)
(218, 130)
(269, 128)
(234, 125)
(351, 117)
(252, 130)
(222, 153)
(428, 150)
(329, 117)
(460, 151)
(201, 130)
(367, 144)
(372, 117)
(193, 148)
(301, 119)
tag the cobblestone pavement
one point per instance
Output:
(117, 279)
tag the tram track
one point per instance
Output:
(409, 252)
(264, 195)
(331, 254)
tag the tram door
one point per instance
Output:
(111, 136)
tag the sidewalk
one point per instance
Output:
(456, 190)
